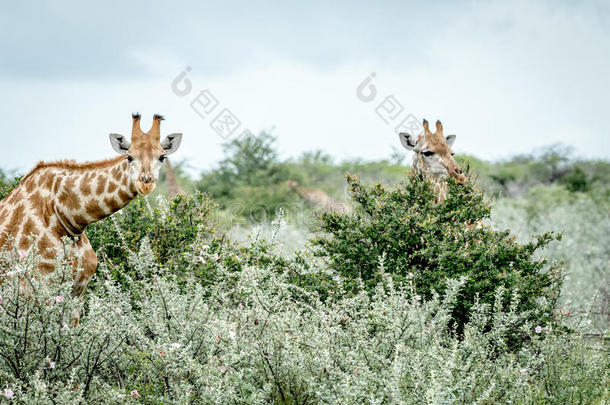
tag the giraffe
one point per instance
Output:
(173, 188)
(60, 199)
(318, 198)
(434, 157)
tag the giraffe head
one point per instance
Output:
(433, 154)
(145, 153)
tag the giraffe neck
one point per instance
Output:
(87, 195)
(303, 192)
(316, 198)
(172, 182)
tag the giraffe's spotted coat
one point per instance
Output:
(60, 199)
(56, 200)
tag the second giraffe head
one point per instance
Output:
(433, 154)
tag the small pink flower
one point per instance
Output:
(0, 299)
(429, 324)
(59, 299)
(135, 394)
(538, 329)
(223, 369)
(417, 298)
(118, 310)
(8, 393)
(216, 256)
(21, 254)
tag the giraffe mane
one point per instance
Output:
(73, 165)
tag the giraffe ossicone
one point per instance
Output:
(59, 199)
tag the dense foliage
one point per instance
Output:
(426, 242)
(172, 229)
(253, 336)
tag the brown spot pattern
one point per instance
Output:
(70, 200)
(81, 221)
(123, 196)
(30, 228)
(94, 210)
(58, 231)
(57, 184)
(85, 185)
(112, 204)
(116, 172)
(30, 184)
(24, 243)
(101, 184)
(45, 246)
(11, 226)
(45, 268)
(112, 186)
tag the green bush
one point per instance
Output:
(7, 184)
(175, 229)
(417, 239)
(576, 180)
(183, 241)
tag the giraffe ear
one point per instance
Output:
(450, 139)
(407, 140)
(119, 143)
(171, 143)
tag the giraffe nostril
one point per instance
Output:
(146, 179)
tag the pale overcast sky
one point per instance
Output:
(506, 77)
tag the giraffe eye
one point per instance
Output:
(162, 158)
(427, 153)
(129, 158)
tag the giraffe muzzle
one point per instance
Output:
(146, 184)
(459, 176)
